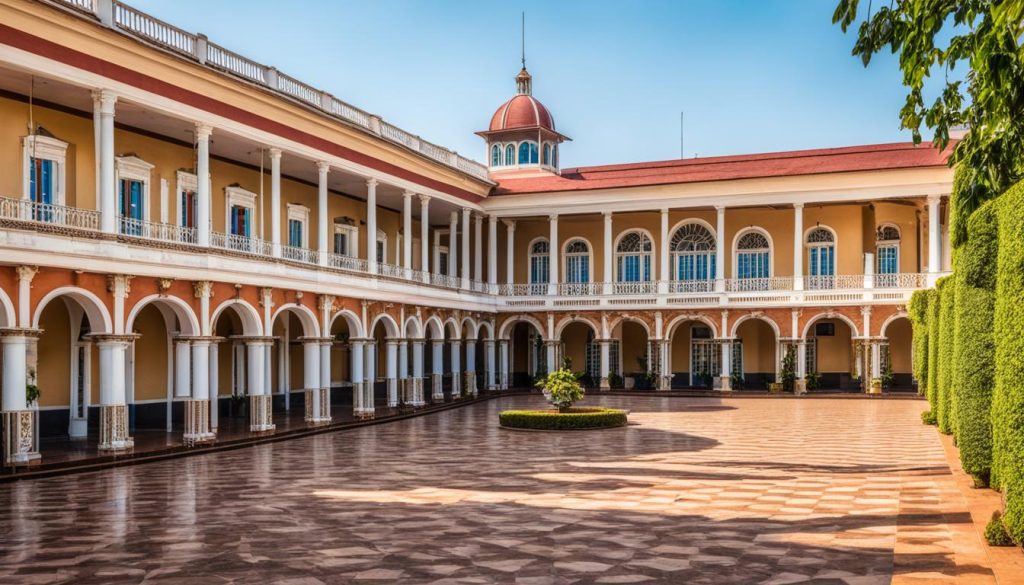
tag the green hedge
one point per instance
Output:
(1008, 399)
(974, 346)
(549, 420)
(943, 388)
(934, 341)
(917, 310)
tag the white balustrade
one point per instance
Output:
(239, 243)
(297, 89)
(232, 62)
(60, 215)
(571, 289)
(775, 283)
(86, 5)
(164, 232)
(153, 29)
(300, 254)
(691, 286)
(635, 288)
(346, 262)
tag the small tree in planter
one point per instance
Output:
(561, 388)
(789, 369)
(31, 389)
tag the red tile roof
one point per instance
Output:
(902, 155)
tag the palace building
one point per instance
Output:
(187, 234)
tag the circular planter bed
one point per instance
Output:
(575, 418)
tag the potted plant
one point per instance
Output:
(789, 369)
(561, 389)
(876, 386)
(813, 380)
(31, 389)
(615, 380)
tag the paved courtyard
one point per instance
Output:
(696, 490)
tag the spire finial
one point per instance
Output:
(522, 31)
(523, 82)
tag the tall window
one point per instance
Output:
(540, 262)
(887, 255)
(298, 219)
(346, 238)
(547, 153)
(295, 233)
(510, 155)
(633, 258)
(821, 258)
(241, 205)
(44, 160)
(693, 253)
(132, 183)
(527, 153)
(382, 247)
(442, 260)
(753, 256)
(496, 155)
(241, 221)
(577, 261)
(41, 179)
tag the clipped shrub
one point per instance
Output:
(1008, 397)
(943, 362)
(574, 419)
(917, 311)
(995, 531)
(934, 330)
(974, 352)
(561, 388)
(928, 417)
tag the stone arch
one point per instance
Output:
(506, 327)
(435, 327)
(678, 320)
(95, 310)
(489, 327)
(355, 326)
(451, 327)
(391, 330)
(248, 314)
(474, 328)
(619, 320)
(8, 317)
(890, 319)
(570, 319)
(412, 329)
(830, 315)
(310, 328)
(771, 323)
(182, 310)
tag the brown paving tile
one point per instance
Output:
(851, 492)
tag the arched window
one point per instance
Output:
(510, 155)
(753, 257)
(577, 261)
(527, 153)
(693, 253)
(821, 258)
(633, 257)
(496, 156)
(554, 156)
(547, 153)
(540, 259)
(887, 255)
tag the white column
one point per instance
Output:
(666, 274)
(214, 380)
(478, 243)
(549, 345)
(934, 237)
(453, 245)
(720, 249)
(465, 247)
(798, 246)
(510, 251)
(275, 202)
(555, 252)
(391, 371)
(182, 369)
(356, 373)
(25, 276)
(371, 226)
(370, 371)
(503, 373)
(424, 236)
(407, 232)
(470, 383)
(108, 190)
(311, 375)
(489, 363)
(492, 252)
(322, 223)
(605, 383)
(608, 276)
(417, 372)
(254, 361)
(325, 379)
(456, 351)
(437, 369)
(197, 414)
(15, 372)
(113, 410)
(404, 383)
(201, 369)
(202, 184)
(726, 374)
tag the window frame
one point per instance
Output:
(351, 239)
(133, 168)
(184, 181)
(45, 148)
(237, 196)
(880, 244)
(812, 248)
(650, 268)
(300, 213)
(531, 255)
(736, 251)
(711, 253)
(589, 255)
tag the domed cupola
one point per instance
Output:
(522, 135)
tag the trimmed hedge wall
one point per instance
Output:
(1008, 400)
(973, 363)
(917, 310)
(934, 341)
(943, 400)
(577, 418)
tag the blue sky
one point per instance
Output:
(752, 76)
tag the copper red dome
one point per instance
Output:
(522, 111)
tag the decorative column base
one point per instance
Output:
(197, 422)
(725, 384)
(456, 387)
(19, 440)
(417, 391)
(261, 413)
(114, 428)
(404, 391)
(392, 384)
(358, 397)
(470, 384)
(437, 386)
(664, 383)
(605, 385)
(323, 396)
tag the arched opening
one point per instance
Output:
(577, 265)
(579, 349)
(69, 382)
(829, 362)
(755, 355)
(472, 358)
(821, 258)
(342, 384)
(752, 265)
(527, 354)
(233, 381)
(382, 363)
(495, 155)
(887, 256)
(540, 262)
(695, 355)
(632, 357)
(633, 255)
(896, 355)
(693, 258)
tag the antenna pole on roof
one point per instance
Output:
(682, 127)
(522, 32)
